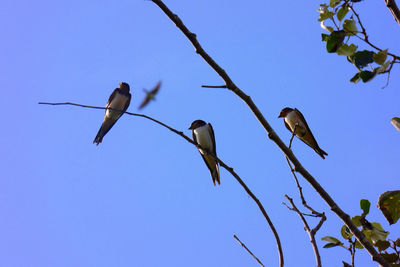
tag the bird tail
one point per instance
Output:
(99, 137)
(105, 127)
(215, 175)
(321, 152)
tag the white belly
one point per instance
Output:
(204, 138)
(117, 103)
(292, 119)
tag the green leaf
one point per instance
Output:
(346, 234)
(389, 204)
(356, 220)
(362, 58)
(324, 13)
(395, 122)
(358, 245)
(331, 239)
(330, 245)
(325, 37)
(377, 233)
(367, 75)
(333, 3)
(342, 12)
(380, 57)
(346, 50)
(356, 78)
(334, 41)
(349, 26)
(382, 244)
(365, 205)
(397, 242)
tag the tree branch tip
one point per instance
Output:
(214, 86)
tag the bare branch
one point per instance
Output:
(273, 136)
(213, 86)
(391, 5)
(311, 233)
(248, 250)
(228, 168)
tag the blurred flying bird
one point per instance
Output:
(119, 101)
(150, 95)
(203, 134)
(293, 119)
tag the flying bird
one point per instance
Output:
(203, 134)
(118, 101)
(293, 119)
(150, 95)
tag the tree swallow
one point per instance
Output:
(119, 101)
(150, 95)
(203, 134)
(293, 119)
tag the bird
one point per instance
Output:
(119, 102)
(203, 134)
(150, 95)
(295, 121)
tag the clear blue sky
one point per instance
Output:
(144, 196)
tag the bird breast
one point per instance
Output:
(117, 103)
(203, 137)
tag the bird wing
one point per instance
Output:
(113, 94)
(150, 95)
(145, 101)
(156, 88)
(313, 143)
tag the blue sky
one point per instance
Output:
(144, 196)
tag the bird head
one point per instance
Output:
(197, 124)
(284, 112)
(124, 87)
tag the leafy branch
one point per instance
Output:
(343, 29)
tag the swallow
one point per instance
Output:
(118, 101)
(150, 95)
(294, 120)
(203, 134)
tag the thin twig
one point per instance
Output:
(303, 200)
(364, 33)
(311, 233)
(214, 86)
(273, 136)
(248, 250)
(180, 133)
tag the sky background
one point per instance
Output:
(144, 197)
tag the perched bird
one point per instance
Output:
(203, 134)
(150, 95)
(293, 119)
(119, 101)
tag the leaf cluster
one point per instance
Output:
(389, 204)
(344, 29)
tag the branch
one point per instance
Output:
(229, 169)
(273, 136)
(214, 86)
(311, 233)
(391, 5)
(248, 250)
(364, 33)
